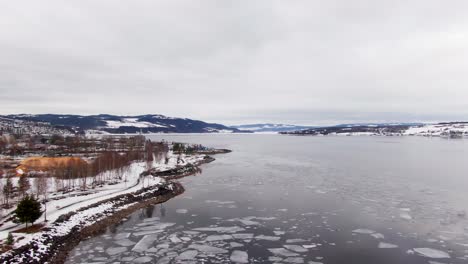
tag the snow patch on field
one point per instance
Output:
(131, 122)
(438, 129)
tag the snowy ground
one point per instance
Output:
(455, 129)
(77, 199)
(434, 130)
(437, 129)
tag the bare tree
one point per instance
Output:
(23, 185)
(85, 171)
(58, 178)
(1, 189)
(8, 191)
(3, 144)
(42, 186)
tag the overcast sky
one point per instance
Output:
(302, 62)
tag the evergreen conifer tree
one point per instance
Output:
(28, 210)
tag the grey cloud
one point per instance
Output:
(308, 62)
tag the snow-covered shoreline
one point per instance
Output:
(53, 243)
(131, 181)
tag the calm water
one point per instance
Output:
(284, 199)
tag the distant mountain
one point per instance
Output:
(270, 127)
(126, 124)
(377, 124)
(353, 129)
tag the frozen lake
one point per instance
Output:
(287, 199)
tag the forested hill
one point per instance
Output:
(124, 124)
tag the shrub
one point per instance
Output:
(10, 240)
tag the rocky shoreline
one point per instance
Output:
(97, 228)
(180, 172)
(50, 248)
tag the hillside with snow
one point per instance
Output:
(268, 127)
(451, 129)
(124, 124)
(448, 129)
(21, 126)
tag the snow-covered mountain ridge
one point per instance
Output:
(123, 124)
(269, 127)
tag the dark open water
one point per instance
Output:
(285, 199)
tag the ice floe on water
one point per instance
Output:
(218, 238)
(294, 260)
(386, 245)
(144, 243)
(245, 236)
(295, 240)
(295, 248)
(372, 233)
(122, 235)
(151, 219)
(406, 216)
(124, 242)
(181, 211)
(275, 259)
(269, 238)
(220, 229)
(187, 255)
(235, 244)
(364, 231)
(151, 228)
(193, 233)
(264, 218)
(208, 249)
(143, 260)
(116, 250)
(311, 246)
(245, 221)
(220, 202)
(377, 236)
(163, 245)
(282, 252)
(149, 232)
(238, 256)
(431, 253)
(174, 239)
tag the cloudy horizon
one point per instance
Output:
(238, 62)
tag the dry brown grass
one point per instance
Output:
(49, 163)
